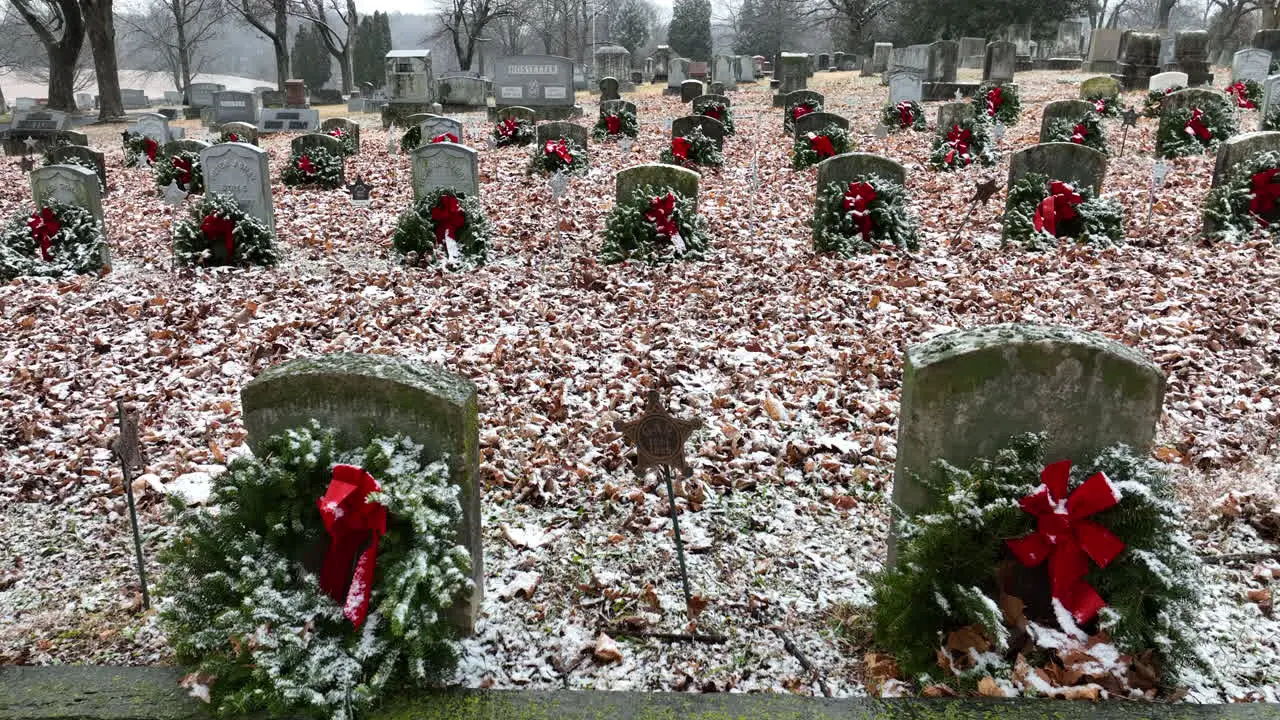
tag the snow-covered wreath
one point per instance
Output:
(1087, 131)
(812, 148)
(1041, 211)
(138, 146)
(1105, 105)
(659, 225)
(183, 167)
(693, 151)
(347, 140)
(906, 115)
(510, 131)
(445, 226)
(616, 123)
(1247, 94)
(1248, 200)
(967, 141)
(560, 155)
(716, 110)
(313, 166)
(411, 139)
(999, 102)
(796, 110)
(227, 136)
(319, 585)
(1154, 103)
(218, 232)
(1195, 130)
(863, 215)
(1014, 546)
(55, 240)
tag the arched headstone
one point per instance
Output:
(683, 181)
(1069, 162)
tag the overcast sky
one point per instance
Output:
(424, 6)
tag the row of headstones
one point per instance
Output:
(928, 72)
(728, 70)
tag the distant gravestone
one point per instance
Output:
(290, 120)
(1192, 57)
(1165, 80)
(326, 96)
(348, 127)
(1069, 162)
(434, 126)
(240, 172)
(879, 62)
(1250, 64)
(712, 128)
(534, 81)
(966, 393)
(1000, 62)
(445, 165)
(272, 98)
(817, 121)
(609, 89)
(244, 132)
(173, 147)
(202, 94)
(1100, 87)
(232, 106)
(1239, 149)
(944, 58)
(745, 69)
(724, 72)
(81, 155)
(44, 126)
(1270, 96)
(953, 113)
(1071, 110)
(617, 107)
(677, 73)
(367, 396)
(171, 97)
(1139, 59)
(1104, 50)
(133, 99)
(972, 50)
(683, 182)
(690, 89)
(70, 184)
(521, 114)
(154, 126)
(793, 73)
(905, 86)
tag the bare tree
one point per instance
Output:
(855, 16)
(271, 18)
(60, 28)
(464, 22)
(100, 24)
(339, 39)
(176, 30)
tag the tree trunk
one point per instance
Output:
(281, 42)
(62, 77)
(184, 53)
(101, 28)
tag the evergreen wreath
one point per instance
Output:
(138, 146)
(313, 166)
(422, 229)
(1155, 101)
(1193, 131)
(953, 562)
(183, 167)
(1249, 200)
(244, 605)
(716, 110)
(797, 110)
(53, 241)
(658, 226)
(616, 124)
(863, 215)
(1041, 211)
(906, 115)
(693, 151)
(346, 139)
(998, 102)
(78, 162)
(217, 232)
(1246, 93)
(411, 139)
(560, 155)
(511, 131)
(227, 136)
(1088, 132)
(1106, 106)
(967, 140)
(813, 148)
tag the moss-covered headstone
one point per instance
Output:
(366, 396)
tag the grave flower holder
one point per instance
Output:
(218, 233)
(1195, 130)
(865, 214)
(658, 226)
(1155, 100)
(56, 240)
(966, 143)
(813, 148)
(420, 236)
(1041, 212)
(717, 111)
(615, 124)
(998, 102)
(313, 166)
(906, 115)
(976, 563)
(560, 155)
(692, 151)
(183, 167)
(246, 608)
(513, 132)
(1087, 131)
(1247, 203)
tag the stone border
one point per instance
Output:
(91, 692)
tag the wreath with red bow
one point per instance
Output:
(999, 102)
(510, 131)
(558, 155)
(139, 146)
(218, 233)
(314, 166)
(659, 225)
(348, 139)
(797, 109)
(615, 123)
(52, 241)
(411, 139)
(1247, 201)
(445, 227)
(1087, 131)
(963, 144)
(1247, 94)
(1105, 105)
(812, 148)
(865, 214)
(906, 115)
(1040, 211)
(693, 151)
(716, 110)
(1036, 561)
(321, 584)
(1154, 103)
(183, 168)
(1196, 130)
(227, 136)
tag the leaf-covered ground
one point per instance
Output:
(792, 360)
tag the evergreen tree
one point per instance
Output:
(309, 59)
(631, 28)
(690, 31)
(365, 46)
(384, 47)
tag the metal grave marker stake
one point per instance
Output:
(1130, 117)
(982, 192)
(125, 447)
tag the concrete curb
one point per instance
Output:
(89, 692)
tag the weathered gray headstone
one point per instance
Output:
(944, 58)
(133, 99)
(241, 172)
(1000, 62)
(1270, 96)
(202, 94)
(972, 50)
(704, 100)
(1100, 87)
(1072, 110)
(879, 62)
(905, 85)
(690, 89)
(793, 73)
(435, 125)
(445, 165)
(1192, 56)
(844, 169)
(1139, 59)
(745, 69)
(154, 126)
(817, 121)
(290, 120)
(232, 106)
(521, 114)
(609, 89)
(1250, 64)
(1191, 98)
(949, 114)
(684, 182)
(463, 91)
(566, 130)
(366, 396)
(534, 81)
(1240, 148)
(1165, 80)
(1069, 162)
(347, 127)
(677, 73)
(712, 128)
(82, 155)
(724, 71)
(1104, 50)
(173, 147)
(246, 132)
(70, 184)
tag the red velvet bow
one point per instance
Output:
(184, 170)
(1078, 133)
(336, 132)
(662, 214)
(1266, 191)
(304, 164)
(713, 112)
(1195, 126)
(801, 110)
(351, 521)
(680, 148)
(821, 144)
(856, 201)
(1060, 205)
(44, 225)
(233, 137)
(1067, 539)
(613, 124)
(905, 115)
(219, 228)
(995, 98)
(150, 147)
(448, 218)
(1100, 105)
(507, 127)
(958, 138)
(446, 137)
(560, 149)
(1240, 92)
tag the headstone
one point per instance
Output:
(232, 106)
(1239, 149)
(746, 69)
(637, 77)
(171, 97)
(1070, 110)
(824, 61)
(445, 165)
(966, 393)
(202, 94)
(154, 126)
(1270, 95)
(1167, 44)
(905, 85)
(684, 182)
(661, 60)
(1104, 50)
(272, 98)
(1165, 80)
(44, 126)
(240, 171)
(173, 147)
(879, 63)
(84, 101)
(567, 130)
(347, 126)
(690, 89)
(70, 184)
(534, 81)
(62, 154)
(1000, 62)
(367, 396)
(1100, 87)
(1069, 162)
(304, 143)
(246, 132)
(295, 94)
(609, 89)
(1139, 59)
(1192, 57)
(794, 72)
(677, 73)
(521, 114)
(817, 122)
(1070, 35)
(952, 113)
(944, 57)
(133, 99)
(1191, 98)
(1250, 64)
(325, 96)
(913, 58)
(724, 71)
(712, 128)
(436, 125)
(290, 120)
(844, 169)
(972, 52)
(614, 61)
(618, 106)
